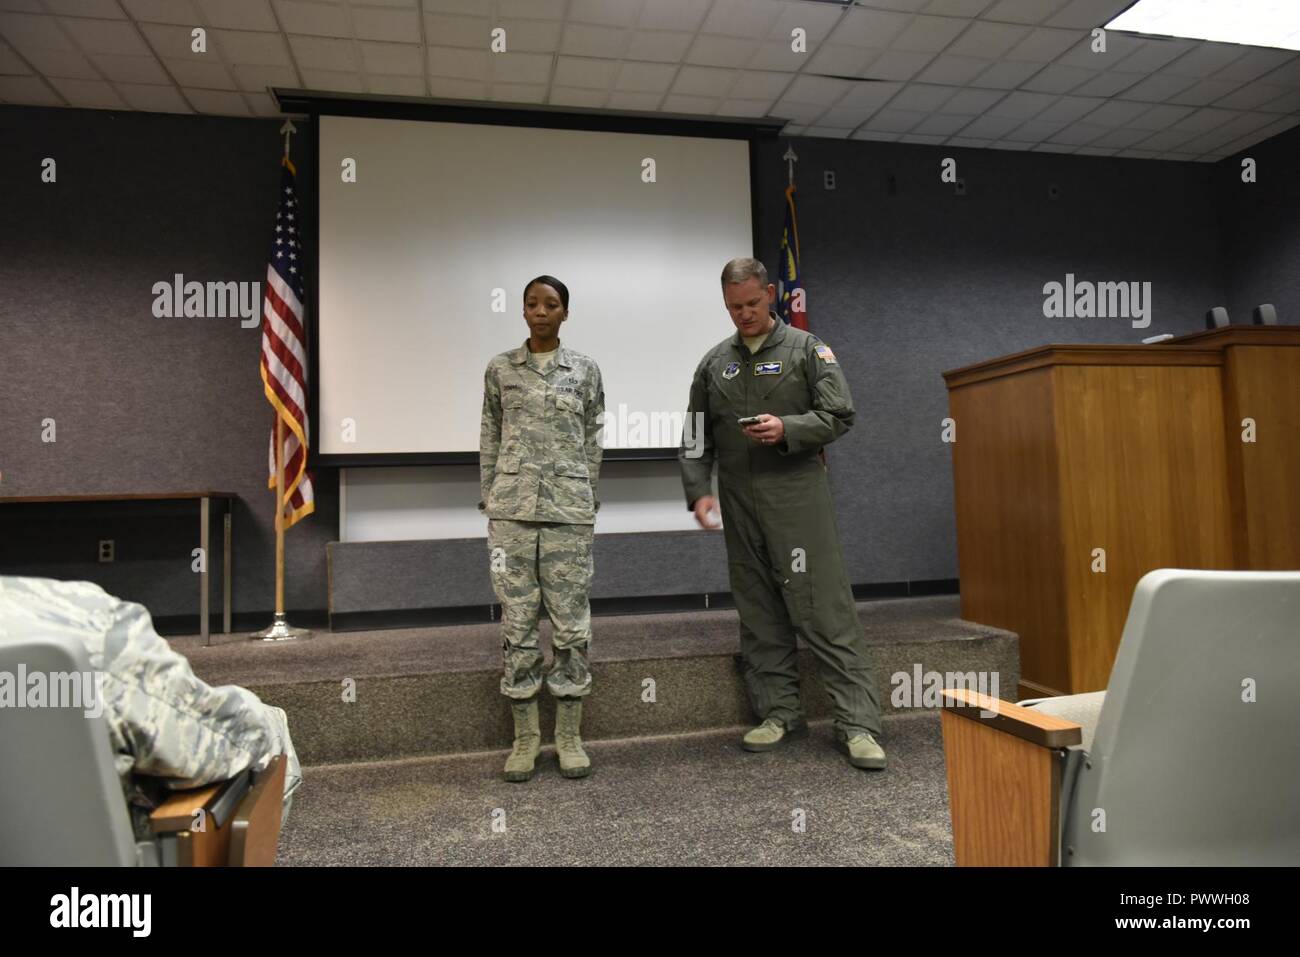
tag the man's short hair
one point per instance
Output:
(738, 270)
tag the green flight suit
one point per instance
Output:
(783, 553)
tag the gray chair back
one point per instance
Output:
(1196, 756)
(61, 801)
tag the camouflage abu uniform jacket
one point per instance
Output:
(539, 444)
(168, 729)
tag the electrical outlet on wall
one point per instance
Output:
(828, 178)
(106, 549)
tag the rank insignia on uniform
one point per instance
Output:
(824, 353)
(767, 368)
(731, 371)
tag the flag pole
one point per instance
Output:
(280, 629)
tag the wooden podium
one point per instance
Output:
(1068, 456)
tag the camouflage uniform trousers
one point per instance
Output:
(534, 563)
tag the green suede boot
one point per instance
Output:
(528, 741)
(574, 762)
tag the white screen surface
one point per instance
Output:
(442, 215)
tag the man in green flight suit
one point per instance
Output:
(763, 404)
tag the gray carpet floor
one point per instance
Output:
(694, 799)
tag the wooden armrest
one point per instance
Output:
(194, 826)
(1004, 779)
(255, 828)
(180, 810)
(1036, 727)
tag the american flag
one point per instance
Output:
(790, 304)
(284, 350)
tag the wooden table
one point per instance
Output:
(204, 498)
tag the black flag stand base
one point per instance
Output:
(280, 630)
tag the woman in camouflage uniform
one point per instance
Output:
(539, 459)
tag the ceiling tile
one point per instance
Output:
(928, 35)
(65, 63)
(1205, 58)
(519, 92)
(105, 36)
(1055, 78)
(393, 59)
(897, 65)
(895, 121)
(573, 96)
(29, 90)
(741, 18)
(659, 47)
(953, 70)
(337, 81)
(262, 104)
(991, 127)
(585, 73)
(844, 116)
(972, 102)
(531, 36)
(169, 41)
(827, 132)
(1079, 134)
(877, 135)
(645, 77)
(26, 32)
(1006, 75)
(1035, 131)
(1086, 14)
(684, 15)
(1021, 105)
(836, 60)
(617, 13)
(1205, 92)
(677, 103)
(396, 26)
(1117, 112)
(868, 28)
(89, 94)
(131, 69)
(1202, 121)
(798, 112)
(870, 96)
(704, 81)
(10, 63)
(152, 98)
(536, 9)
(1121, 139)
(922, 97)
(747, 108)
(1022, 11)
(1119, 47)
(525, 68)
(447, 88)
(203, 74)
(255, 79)
(103, 9)
(633, 101)
(953, 8)
(1070, 108)
(776, 55)
(1159, 118)
(1158, 87)
(941, 124)
(218, 102)
(921, 138)
(1043, 45)
(445, 30)
(312, 19)
(968, 142)
(1166, 140)
(458, 63)
(721, 51)
(1251, 96)
(236, 14)
(319, 53)
(584, 40)
(1110, 83)
(162, 11)
(396, 85)
(815, 18)
(260, 49)
(988, 40)
(1152, 54)
(817, 89)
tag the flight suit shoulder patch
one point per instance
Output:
(824, 353)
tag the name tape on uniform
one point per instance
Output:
(767, 368)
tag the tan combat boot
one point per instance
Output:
(574, 762)
(862, 749)
(528, 741)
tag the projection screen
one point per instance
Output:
(423, 260)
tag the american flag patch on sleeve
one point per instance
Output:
(824, 353)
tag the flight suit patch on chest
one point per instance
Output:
(731, 371)
(767, 368)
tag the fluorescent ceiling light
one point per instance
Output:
(1257, 23)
